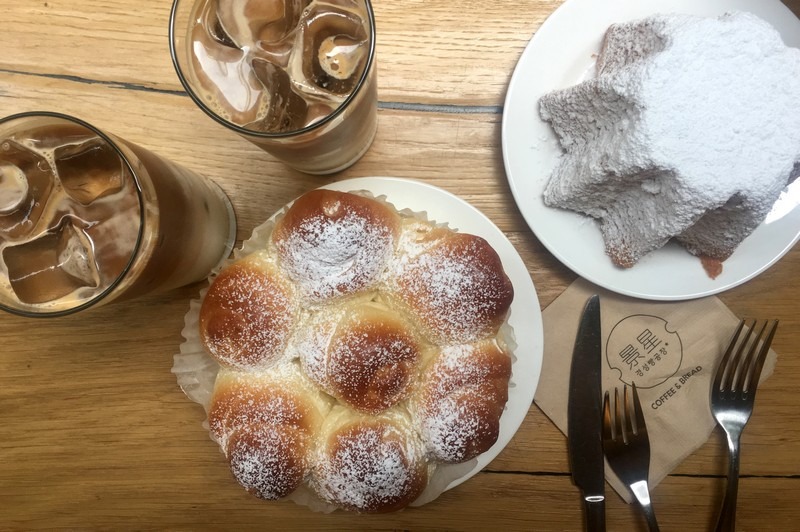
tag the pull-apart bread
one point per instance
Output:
(360, 349)
(689, 130)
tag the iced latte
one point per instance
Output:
(295, 77)
(88, 218)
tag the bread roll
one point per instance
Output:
(453, 283)
(362, 353)
(248, 314)
(369, 463)
(333, 244)
(460, 400)
(265, 425)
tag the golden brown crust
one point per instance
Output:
(334, 243)
(455, 286)
(460, 400)
(248, 314)
(363, 354)
(370, 464)
(266, 425)
(242, 399)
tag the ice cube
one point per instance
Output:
(246, 22)
(76, 256)
(13, 187)
(226, 79)
(340, 56)
(287, 110)
(277, 30)
(213, 27)
(334, 47)
(44, 139)
(89, 170)
(317, 111)
(53, 265)
(22, 203)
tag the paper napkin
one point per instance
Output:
(669, 349)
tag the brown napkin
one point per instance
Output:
(670, 350)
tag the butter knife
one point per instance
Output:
(584, 417)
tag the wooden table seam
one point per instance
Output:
(438, 108)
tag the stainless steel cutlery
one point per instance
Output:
(584, 418)
(733, 393)
(627, 446)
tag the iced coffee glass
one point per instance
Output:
(87, 218)
(295, 77)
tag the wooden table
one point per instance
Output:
(94, 431)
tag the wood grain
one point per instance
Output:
(95, 433)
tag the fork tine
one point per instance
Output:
(619, 417)
(754, 373)
(608, 427)
(736, 367)
(722, 369)
(608, 424)
(732, 407)
(747, 350)
(628, 454)
(630, 430)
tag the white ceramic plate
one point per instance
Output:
(525, 317)
(561, 54)
(196, 370)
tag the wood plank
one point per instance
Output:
(459, 152)
(489, 501)
(109, 41)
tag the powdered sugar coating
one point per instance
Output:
(281, 397)
(688, 132)
(247, 315)
(330, 247)
(363, 354)
(454, 284)
(356, 345)
(268, 461)
(370, 464)
(460, 400)
(265, 424)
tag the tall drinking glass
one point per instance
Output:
(87, 218)
(295, 77)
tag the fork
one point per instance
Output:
(732, 396)
(627, 447)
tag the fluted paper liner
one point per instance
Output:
(196, 371)
(669, 349)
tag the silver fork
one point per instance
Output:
(627, 447)
(732, 396)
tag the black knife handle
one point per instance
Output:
(595, 515)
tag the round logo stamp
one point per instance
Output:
(644, 350)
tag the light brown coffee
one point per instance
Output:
(278, 65)
(296, 76)
(76, 225)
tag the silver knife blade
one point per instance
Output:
(584, 415)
